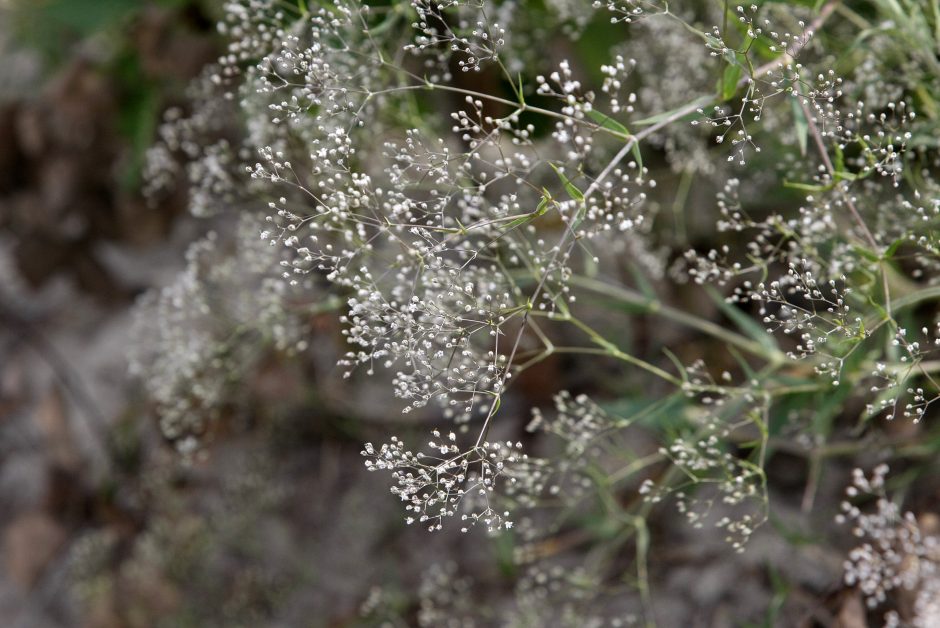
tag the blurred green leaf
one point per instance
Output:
(608, 123)
(745, 323)
(572, 190)
(729, 81)
(800, 124)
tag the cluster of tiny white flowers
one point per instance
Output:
(732, 119)
(735, 481)
(469, 36)
(445, 598)
(426, 239)
(577, 421)
(448, 481)
(442, 241)
(894, 553)
(629, 11)
(454, 238)
(552, 594)
(581, 428)
(908, 388)
(808, 308)
(196, 337)
(559, 595)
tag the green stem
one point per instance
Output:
(612, 350)
(654, 306)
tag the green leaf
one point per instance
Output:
(840, 159)
(729, 81)
(891, 250)
(806, 187)
(913, 298)
(800, 123)
(504, 548)
(575, 194)
(839, 166)
(518, 222)
(385, 25)
(871, 256)
(644, 285)
(661, 414)
(570, 187)
(637, 155)
(612, 125)
(713, 42)
(608, 123)
(744, 322)
(539, 210)
(683, 373)
(701, 101)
